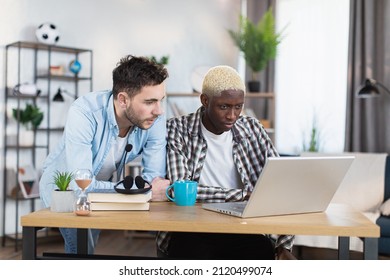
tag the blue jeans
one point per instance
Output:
(70, 239)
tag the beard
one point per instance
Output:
(131, 116)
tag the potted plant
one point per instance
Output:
(164, 60)
(62, 198)
(30, 117)
(314, 140)
(258, 42)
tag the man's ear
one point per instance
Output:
(204, 99)
(123, 99)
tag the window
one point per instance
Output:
(311, 73)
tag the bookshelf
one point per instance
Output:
(32, 63)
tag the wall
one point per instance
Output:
(192, 33)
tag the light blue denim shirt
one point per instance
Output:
(90, 131)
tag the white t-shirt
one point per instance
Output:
(113, 159)
(219, 168)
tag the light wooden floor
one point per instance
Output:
(142, 244)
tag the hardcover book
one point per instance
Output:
(28, 181)
(119, 206)
(119, 197)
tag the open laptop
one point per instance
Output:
(290, 185)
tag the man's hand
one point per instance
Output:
(159, 185)
(247, 196)
(284, 254)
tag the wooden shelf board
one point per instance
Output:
(178, 94)
(63, 77)
(39, 46)
(27, 147)
(248, 95)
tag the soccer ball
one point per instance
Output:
(47, 33)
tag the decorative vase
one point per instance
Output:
(62, 201)
(254, 86)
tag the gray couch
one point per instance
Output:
(366, 188)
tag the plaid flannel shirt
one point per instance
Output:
(186, 153)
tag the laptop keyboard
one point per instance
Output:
(238, 206)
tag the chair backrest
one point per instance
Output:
(387, 178)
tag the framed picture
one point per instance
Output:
(28, 181)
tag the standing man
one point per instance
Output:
(225, 153)
(100, 128)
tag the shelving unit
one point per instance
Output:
(30, 62)
(267, 118)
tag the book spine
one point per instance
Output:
(116, 198)
(104, 206)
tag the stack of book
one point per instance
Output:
(119, 202)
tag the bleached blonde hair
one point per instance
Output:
(220, 78)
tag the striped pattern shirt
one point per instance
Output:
(187, 150)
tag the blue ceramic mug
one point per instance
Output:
(184, 192)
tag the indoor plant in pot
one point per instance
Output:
(258, 42)
(164, 60)
(30, 117)
(62, 199)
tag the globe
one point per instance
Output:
(75, 66)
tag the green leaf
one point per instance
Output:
(164, 60)
(258, 42)
(31, 114)
(62, 179)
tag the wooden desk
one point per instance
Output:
(339, 220)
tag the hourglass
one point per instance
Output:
(83, 178)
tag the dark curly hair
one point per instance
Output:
(133, 73)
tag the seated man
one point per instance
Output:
(225, 153)
(105, 130)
